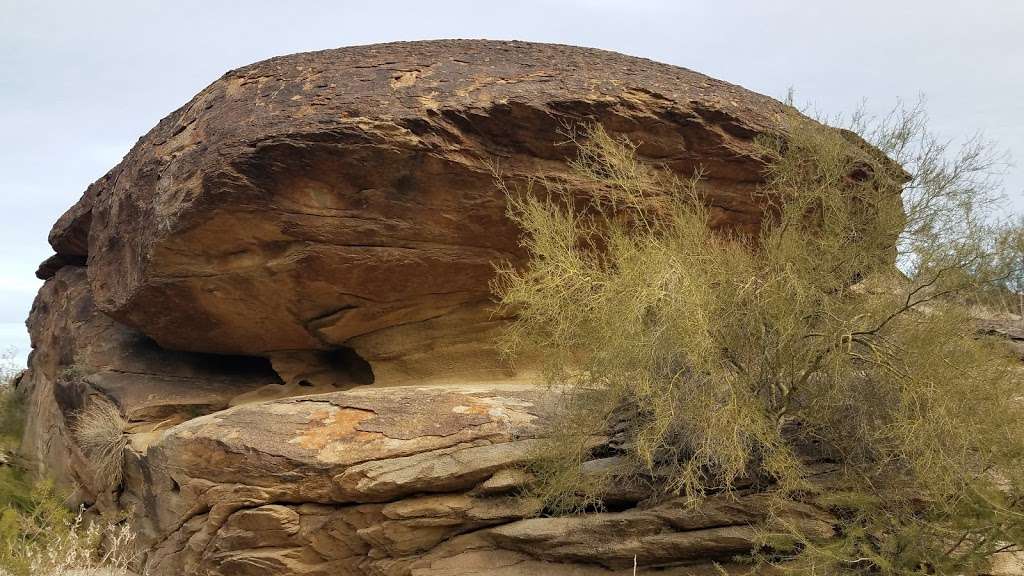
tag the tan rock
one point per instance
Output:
(266, 487)
(316, 223)
(79, 352)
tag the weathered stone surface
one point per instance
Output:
(313, 224)
(391, 481)
(49, 267)
(70, 234)
(1006, 327)
(79, 352)
(721, 528)
(346, 197)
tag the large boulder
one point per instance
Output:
(346, 197)
(315, 223)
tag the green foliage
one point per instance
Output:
(11, 413)
(31, 522)
(44, 538)
(721, 356)
(14, 487)
(39, 535)
(1006, 294)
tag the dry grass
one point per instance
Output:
(39, 536)
(14, 486)
(99, 430)
(45, 539)
(11, 418)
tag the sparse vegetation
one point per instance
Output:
(721, 357)
(44, 538)
(1007, 294)
(11, 419)
(39, 534)
(14, 487)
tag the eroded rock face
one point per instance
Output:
(346, 197)
(400, 481)
(80, 353)
(313, 224)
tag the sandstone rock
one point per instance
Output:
(393, 481)
(346, 197)
(1006, 327)
(670, 533)
(79, 352)
(49, 267)
(194, 483)
(70, 234)
(313, 224)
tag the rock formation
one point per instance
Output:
(283, 287)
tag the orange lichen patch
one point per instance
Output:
(404, 79)
(333, 425)
(473, 407)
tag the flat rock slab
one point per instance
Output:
(404, 481)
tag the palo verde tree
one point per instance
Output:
(718, 356)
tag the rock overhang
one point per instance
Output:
(346, 197)
(330, 220)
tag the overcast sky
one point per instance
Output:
(82, 80)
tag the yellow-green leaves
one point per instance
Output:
(726, 354)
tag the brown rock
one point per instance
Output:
(219, 482)
(374, 480)
(1005, 326)
(669, 533)
(79, 352)
(264, 488)
(346, 197)
(70, 234)
(327, 221)
(49, 267)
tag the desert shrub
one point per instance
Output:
(718, 357)
(1006, 294)
(14, 486)
(39, 534)
(11, 416)
(99, 430)
(44, 538)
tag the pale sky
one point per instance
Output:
(82, 80)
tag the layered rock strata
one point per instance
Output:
(283, 290)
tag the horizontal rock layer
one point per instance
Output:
(416, 480)
(347, 198)
(80, 353)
